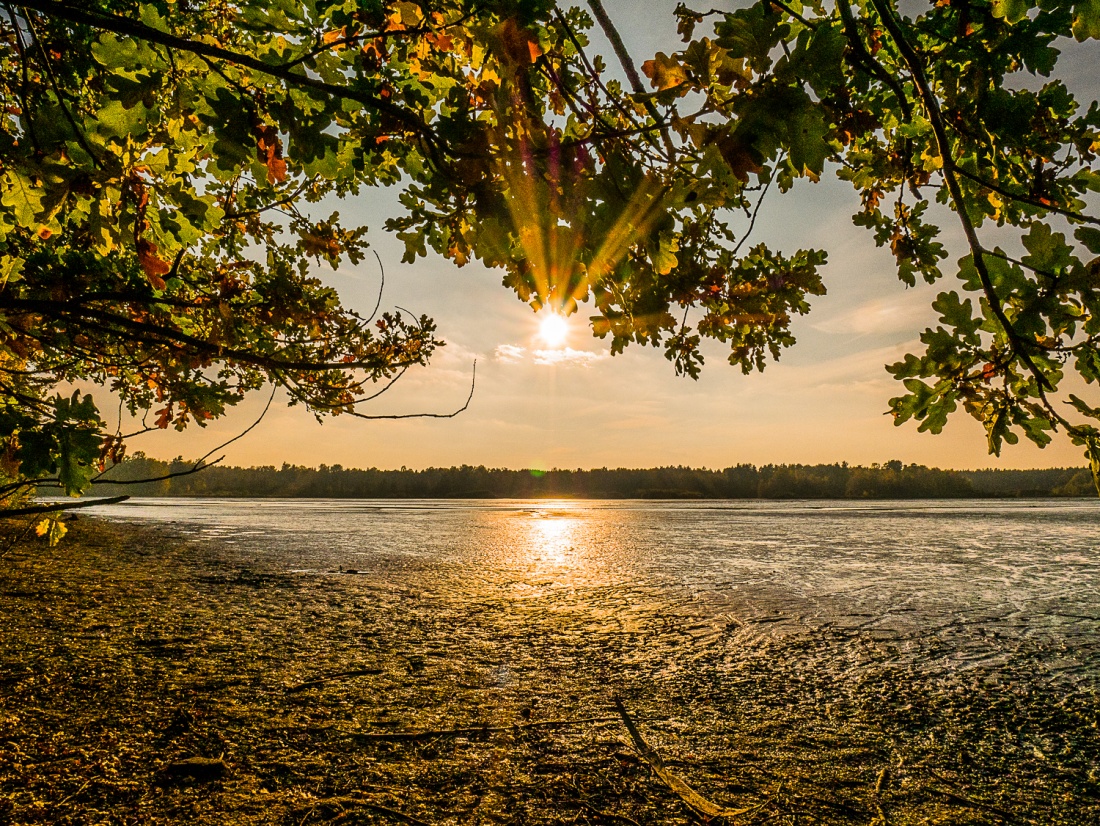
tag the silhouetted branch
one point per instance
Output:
(469, 398)
(37, 509)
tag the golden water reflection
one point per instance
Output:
(554, 545)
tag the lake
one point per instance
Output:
(460, 661)
(961, 582)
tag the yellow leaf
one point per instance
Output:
(336, 37)
(664, 72)
(52, 529)
(404, 16)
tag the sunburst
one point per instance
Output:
(553, 330)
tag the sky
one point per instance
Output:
(824, 401)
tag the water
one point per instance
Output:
(824, 662)
(960, 583)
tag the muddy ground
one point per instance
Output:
(150, 678)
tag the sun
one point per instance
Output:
(553, 330)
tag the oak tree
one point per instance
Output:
(161, 164)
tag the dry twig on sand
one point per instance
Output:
(359, 672)
(702, 807)
(432, 734)
(338, 807)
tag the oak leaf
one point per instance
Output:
(664, 72)
(154, 266)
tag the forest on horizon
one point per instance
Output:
(888, 480)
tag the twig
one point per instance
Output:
(704, 808)
(755, 212)
(197, 468)
(112, 500)
(381, 287)
(608, 815)
(81, 138)
(342, 803)
(416, 736)
(961, 798)
(359, 672)
(469, 398)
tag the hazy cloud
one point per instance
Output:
(905, 313)
(511, 354)
(568, 355)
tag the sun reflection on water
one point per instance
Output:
(553, 538)
(552, 545)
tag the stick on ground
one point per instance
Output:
(359, 672)
(704, 808)
(431, 734)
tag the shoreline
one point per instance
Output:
(131, 649)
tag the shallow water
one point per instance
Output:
(959, 583)
(818, 662)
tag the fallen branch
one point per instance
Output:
(702, 807)
(416, 736)
(53, 508)
(955, 793)
(340, 805)
(360, 672)
(608, 815)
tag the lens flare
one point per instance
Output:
(553, 330)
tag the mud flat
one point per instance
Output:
(150, 677)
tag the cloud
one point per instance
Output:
(568, 355)
(511, 354)
(881, 316)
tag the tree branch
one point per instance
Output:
(469, 398)
(135, 29)
(154, 334)
(935, 118)
(37, 509)
(867, 61)
(636, 84)
(1026, 199)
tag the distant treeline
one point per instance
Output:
(890, 480)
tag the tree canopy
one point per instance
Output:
(164, 164)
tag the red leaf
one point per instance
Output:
(741, 157)
(154, 266)
(270, 152)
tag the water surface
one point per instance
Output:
(960, 582)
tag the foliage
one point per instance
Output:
(947, 107)
(889, 480)
(160, 162)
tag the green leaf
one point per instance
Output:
(809, 149)
(1090, 237)
(1012, 10)
(956, 313)
(1086, 19)
(751, 33)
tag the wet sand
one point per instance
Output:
(150, 677)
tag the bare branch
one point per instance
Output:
(469, 398)
(69, 506)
